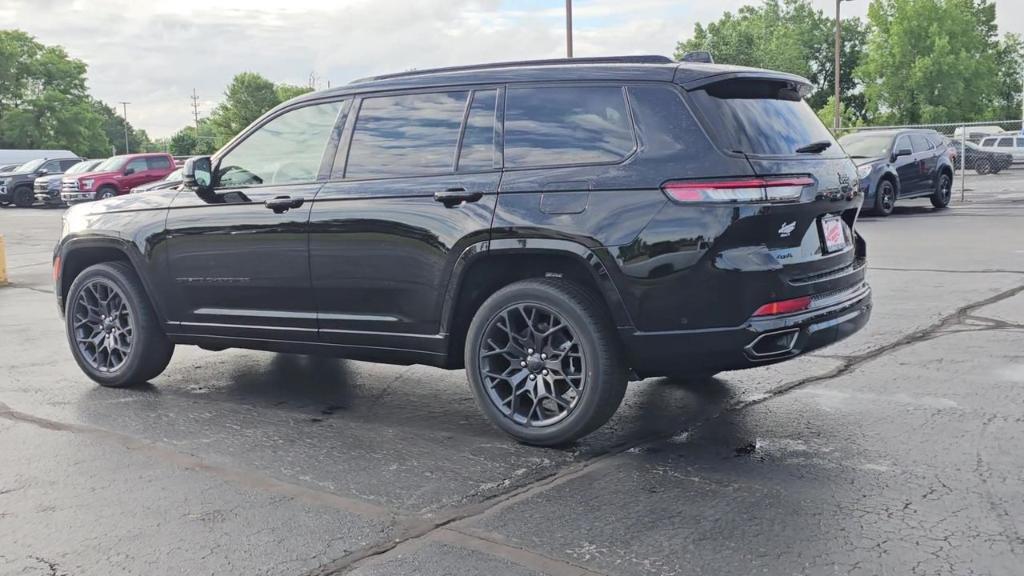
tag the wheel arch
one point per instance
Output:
(484, 268)
(78, 254)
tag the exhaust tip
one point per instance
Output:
(773, 344)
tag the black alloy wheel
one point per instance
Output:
(943, 191)
(885, 200)
(23, 197)
(103, 326)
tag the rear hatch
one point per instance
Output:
(800, 240)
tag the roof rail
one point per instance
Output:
(641, 59)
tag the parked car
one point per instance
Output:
(899, 164)
(1006, 143)
(554, 227)
(47, 188)
(17, 186)
(5, 168)
(115, 176)
(980, 160)
(173, 180)
(976, 133)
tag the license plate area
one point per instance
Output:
(832, 235)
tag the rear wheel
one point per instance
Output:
(885, 197)
(114, 333)
(943, 191)
(983, 166)
(544, 362)
(106, 192)
(23, 197)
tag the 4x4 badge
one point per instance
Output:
(787, 229)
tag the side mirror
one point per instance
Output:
(902, 152)
(42, 172)
(198, 174)
(129, 171)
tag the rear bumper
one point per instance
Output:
(752, 344)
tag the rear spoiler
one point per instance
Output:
(693, 77)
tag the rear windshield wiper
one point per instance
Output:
(814, 147)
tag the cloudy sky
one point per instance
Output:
(153, 53)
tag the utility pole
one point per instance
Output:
(568, 28)
(195, 111)
(124, 106)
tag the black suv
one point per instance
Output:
(899, 164)
(556, 227)
(18, 186)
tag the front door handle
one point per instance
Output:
(452, 197)
(281, 204)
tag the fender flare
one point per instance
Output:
(590, 259)
(125, 247)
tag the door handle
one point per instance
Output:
(452, 197)
(281, 204)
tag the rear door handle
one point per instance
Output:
(281, 204)
(452, 197)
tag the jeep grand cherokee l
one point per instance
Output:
(555, 227)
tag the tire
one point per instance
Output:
(139, 355)
(943, 191)
(983, 166)
(106, 192)
(583, 386)
(885, 197)
(23, 197)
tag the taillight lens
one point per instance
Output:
(784, 306)
(741, 190)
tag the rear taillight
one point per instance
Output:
(784, 306)
(741, 190)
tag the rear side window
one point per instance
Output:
(561, 125)
(407, 135)
(158, 162)
(921, 144)
(136, 165)
(1005, 143)
(478, 140)
(760, 117)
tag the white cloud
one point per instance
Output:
(154, 53)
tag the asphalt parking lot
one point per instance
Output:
(898, 451)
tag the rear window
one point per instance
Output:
(565, 125)
(760, 117)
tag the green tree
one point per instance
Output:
(43, 99)
(790, 36)
(1006, 100)
(248, 96)
(286, 92)
(930, 60)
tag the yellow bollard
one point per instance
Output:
(3, 262)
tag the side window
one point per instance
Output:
(158, 163)
(1020, 142)
(921, 144)
(902, 142)
(51, 166)
(559, 125)
(477, 152)
(988, 142)
(136, 165)
(406, 135)
(1005, 143)
(285, 150)
(65, 164)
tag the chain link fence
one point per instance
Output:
(992, 147)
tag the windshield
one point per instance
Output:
(111, 164)
(173, 176)
(866, 145)
(761, 117)
(30, 166)
(82, 167)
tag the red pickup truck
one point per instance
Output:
(115, 176)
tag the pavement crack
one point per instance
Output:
(32, 288)
(53, 567)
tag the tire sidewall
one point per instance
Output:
(19, 194)
(141, 341)
(879, 205)
(599, 375)
(943, 191)
(982, 166)
(101, 193)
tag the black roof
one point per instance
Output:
(615, 68)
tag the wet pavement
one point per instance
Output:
(898, 451)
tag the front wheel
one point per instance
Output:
(105, 192)
(23, 197)
(943, 191)
(113, 331)
(885, 197)
(983, 166)
(544, 361)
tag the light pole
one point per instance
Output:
(124, 106)
(568, 28)
(839, 25)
